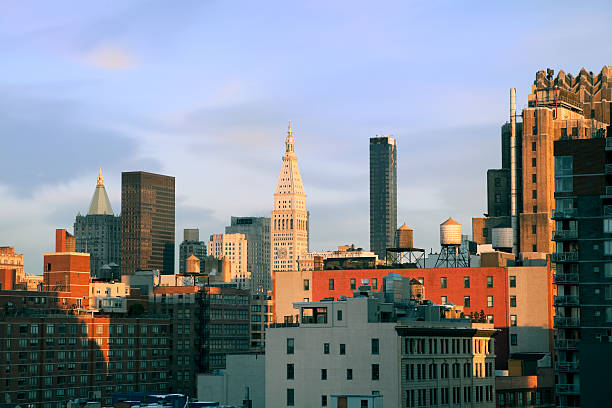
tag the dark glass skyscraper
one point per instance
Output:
(383, 194)
(147, 222)
(99, 234)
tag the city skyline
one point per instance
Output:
(71, 110)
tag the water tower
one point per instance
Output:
(451, 255)
(404, 254)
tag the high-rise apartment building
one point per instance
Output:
(99, 233)
(383, 194)
(289, 218)
(558, 107)
(191, 245)
(12, 261)
(583, 234)
(257, 232)
(234, 247)
(147, 222)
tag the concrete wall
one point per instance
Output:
(288, 288)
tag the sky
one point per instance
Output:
(203, 91)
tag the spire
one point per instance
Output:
(100, 204)
(289, 142)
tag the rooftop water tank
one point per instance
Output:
(450, 233)
(501, 238)
(404, 237)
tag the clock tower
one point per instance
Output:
(289, 218)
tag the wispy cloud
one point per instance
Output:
(110, 57)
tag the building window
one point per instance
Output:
(349, 373)
(534, 178)
(375, 346)
(342, 349)
(375, 372)
(339, 315)
(533, 146)
(466, 282)
(512, 320)
(489, 281)
(513, 340)
(489, 301)
(306, 284)
(512, 301)
(533, 162)
(443, 300)
(324, 374)
(353, 284)
(290, 371)
(534, 248)
(290, 397)
(290, 346)
(534, 194)
(466, 301)
(325, 348)
(607, 225)
(331, 284)
(513, 281)
(443, 282)
(497, 182)
(533, 229)
(490, 319)
(485, 232)
(323, 400)
(374, 283)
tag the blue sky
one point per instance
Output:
(203, 91)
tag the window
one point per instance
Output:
(607, 247)
(375, 346)
(374, 283)
(466, 282)
(485, 232)
(290, 371)
(364, 404)
(534, 178)
(513, 340)
(533, 146)
(466, 301)
(290, 397)
(512, 320)
(513, 281)
(349, 373)
(563, 174)
(489, 301)
(533, 162)
(534, 194)
(607, 225)
(290, 346)
(443, 300)
(325, 348)
(323, 400)
(342, 349)
(443, 282)
(306, 284)
(490, 319)
(533, 229)
(331, 284)
(324, 374)
(353, 283)
(375, 372)
(512, 301)
(489, 281)
(497, 182)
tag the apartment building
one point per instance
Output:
(234, 248)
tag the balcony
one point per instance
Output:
(566, 301)
(566, 278)
(565, 213)
(565, 256)
(566, 322)
(566, 366)
(566, 344)
(564, 235)
(572, 389)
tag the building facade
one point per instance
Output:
(235, 248)
(99, 233)
(191, 245)
(12, 261)
(383, 194)
(147, 222)
(289, 218)
(583, 233)
(257, 233)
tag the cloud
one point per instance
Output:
(110, 57)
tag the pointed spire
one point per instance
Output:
(290, 142)
(100, 204)
(100, 179)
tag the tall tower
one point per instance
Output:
(99, 234)
(383, 194)
(147, 222)
(289, 218)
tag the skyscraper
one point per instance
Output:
(383, 194)
(147, 222)
(289, 218)
(257, 232)
(99, 233)
(191, 245)
(235, 248)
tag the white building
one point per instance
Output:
(234, 247)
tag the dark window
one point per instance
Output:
(349, 373)
(534, 193)
(290, 397)
(324, 374)
(512, 301)
(497, 182)
(513, 281)
(306, 284)
(466, 282)
(466, 301)
(353, 284)
(331, 284)
(535, 209)
(533, 162)
(290, 371)
(290, 346)
(563, 132)
(339, 314)
(375, 372)
(364, 403)
(533, 146)
(535, 248)
(48, 267)
(513, 340)
(533, 229)
(342, 349)
(489, 281)
(323, 400)
(375, 346)
(534, 178)
(443, 282)
(325, 348)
